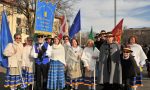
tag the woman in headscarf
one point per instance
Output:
(89, 57)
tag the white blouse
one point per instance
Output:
(87, 57)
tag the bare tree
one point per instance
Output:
(28, 7)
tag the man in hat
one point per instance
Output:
(49, 40)
(41, 52)
(129, 69)
(101, 38)
(110, 72)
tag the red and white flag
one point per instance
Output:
(63, 27)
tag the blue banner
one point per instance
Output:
(76, 25)
(44, 15)
(5, 38)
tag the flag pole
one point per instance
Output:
(115, 12)
(80, 38)
(94, 80)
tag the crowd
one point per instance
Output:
(54, 64)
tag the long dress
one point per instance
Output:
(56, 76)
(73, 60)
(140, 58)
(89, 57)
(14, 53)
(28, 65)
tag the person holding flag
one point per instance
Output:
(73, 61)
(89, 57)
(14, 53)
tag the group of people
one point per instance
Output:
(55, 64)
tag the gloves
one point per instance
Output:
(41, 52)
(44, 49)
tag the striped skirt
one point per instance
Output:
(28, 77)
(89, 82)
(136, 81)
(74, 83)
(89, 79)
(12, 80)
(56, 76)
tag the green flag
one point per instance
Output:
(91, 35)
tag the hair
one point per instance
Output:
(16, 34)
(58, 38)
(133, 36)
(66, 36)
(75, 40)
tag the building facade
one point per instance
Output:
(141, 33)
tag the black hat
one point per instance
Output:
(103, 32)
(109, 34)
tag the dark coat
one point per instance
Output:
(110, 70)
(129, 68)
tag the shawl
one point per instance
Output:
(73, 57)
(58, 53)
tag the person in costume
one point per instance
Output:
(89, 57)
(110, 72)
(28, 64)
(139, 57)
(14, 53)
(49, 40)
(41, 52)
(129, 69)
(56, 76)
(73, 61)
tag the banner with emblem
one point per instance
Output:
(44, 18)
(117, 31)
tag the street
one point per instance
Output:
(146, 81)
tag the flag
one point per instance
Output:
(76, 25)
(91, 35)
(63, 27)
(117, 31)
(5, 38)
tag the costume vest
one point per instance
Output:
(44, 59)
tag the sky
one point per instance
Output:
(99, 14)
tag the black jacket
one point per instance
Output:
(129, 68)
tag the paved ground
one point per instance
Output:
(146, 81)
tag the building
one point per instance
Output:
(16, 20)
(141, 33)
